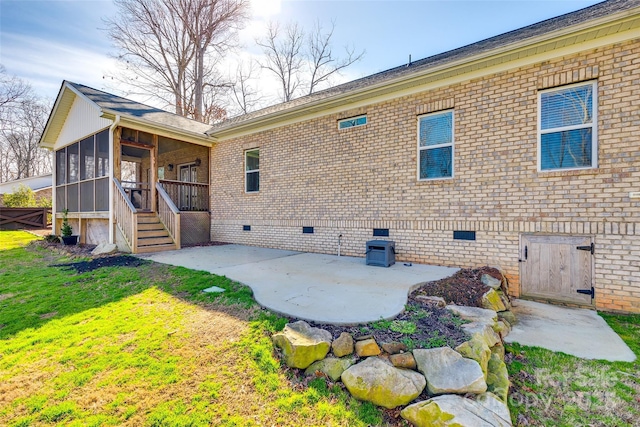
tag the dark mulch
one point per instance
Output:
(108, 261)
(434, 327)
(463, 288)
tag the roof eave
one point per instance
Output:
(201, 138)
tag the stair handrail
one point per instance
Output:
(169, 214)
(125, 216)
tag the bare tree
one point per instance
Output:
(244, 95)
(22, 119)
(172, 47)
(11, 88)
(322, 63)
(301, 62)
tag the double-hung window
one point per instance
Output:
(252, 170)
(435, 145)
(567, 126)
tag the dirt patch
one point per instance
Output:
(6, 296)
(110, 261)
(463, 288)
(48, 315)
(80, 250)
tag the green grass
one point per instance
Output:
(145, 346)
(15, 239)
(556, 389)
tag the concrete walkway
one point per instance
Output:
(322, 288)
(574, 331)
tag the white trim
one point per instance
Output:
(429, 147)
(353, 119)
(251, 171)
(593, 126)
(110, 175)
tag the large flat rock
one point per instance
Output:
(377, 382)
(454, 411)
(447, 371)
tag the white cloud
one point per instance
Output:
(44, 64)
(265, 8)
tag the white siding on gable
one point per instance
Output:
(83, 119)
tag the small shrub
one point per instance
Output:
(66, 229)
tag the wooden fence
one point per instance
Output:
(24, 218)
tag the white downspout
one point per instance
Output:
(112, 129)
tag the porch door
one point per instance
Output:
(187, 173)
(557, 268)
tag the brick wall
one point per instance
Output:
(353, 180)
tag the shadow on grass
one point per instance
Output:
(37, 285)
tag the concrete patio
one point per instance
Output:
(344, 290)
(322, 288)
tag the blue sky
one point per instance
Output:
(46, 41)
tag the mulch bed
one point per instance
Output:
(106, 261)
(463, 288)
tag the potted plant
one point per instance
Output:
(67, 231)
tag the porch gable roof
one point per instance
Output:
(110, 106)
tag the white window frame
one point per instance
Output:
(430, 147)
(247, 172)
(353, 119)
(593, 125)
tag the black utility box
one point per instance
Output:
(381, 253)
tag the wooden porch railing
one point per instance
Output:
(169, 214)
(139, 193)
(187, 196)
(125, 216)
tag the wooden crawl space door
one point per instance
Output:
(557, 268)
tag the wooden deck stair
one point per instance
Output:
(152, 235)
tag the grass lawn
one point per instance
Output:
(143, 346)
(555, 389)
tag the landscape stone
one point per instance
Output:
(447, 371)
(104, 249)
(498, 377)
(363, 337)
(490, 281)
(403, 360)
(499, 350)
(495, 405)
(478, 350)
(491, 300)
(375, 381)
(302, 344)
(343, 345)
(451, 410)
(502, 328)
(483, 332)
(331, 367)
(509, 317)
(474, 314)
(368, 347)
(394, 347)
(505, 299)
(432, 300)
